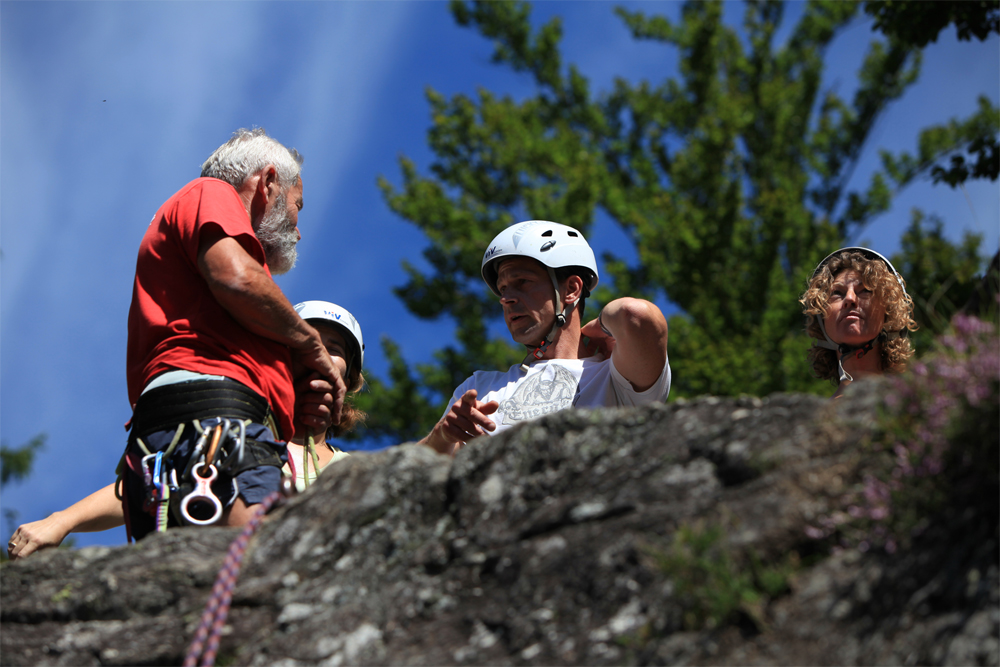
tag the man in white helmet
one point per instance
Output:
(542, 272)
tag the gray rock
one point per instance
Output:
(543, 545)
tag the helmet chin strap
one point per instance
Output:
(559, 322)
(844, 349)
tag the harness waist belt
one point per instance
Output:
(165, 407)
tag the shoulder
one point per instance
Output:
(209, 201)
(201, 196)
(212, 185)
(211, 188)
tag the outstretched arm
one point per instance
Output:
(100, 510)
(465, 420)
(638, 340)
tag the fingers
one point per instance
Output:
(468, 418)
(320, 361)
(592, 330)
(593, 340)
(324, 387)
(22, 545)
(339, 393)
(316, 403)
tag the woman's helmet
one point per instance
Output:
(556, 247)
(884, 334)
(331, 313)
(870, 254)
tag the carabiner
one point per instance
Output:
(202, 492)
(157, 474)
(147, 474)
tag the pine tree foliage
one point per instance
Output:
(940, 275)
(730, 177)
(16, 462)
(918, 22)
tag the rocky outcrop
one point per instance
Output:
(671, 534)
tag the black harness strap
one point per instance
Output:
(165, 407)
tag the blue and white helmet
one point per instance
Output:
(331, 313)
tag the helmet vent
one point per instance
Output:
(547, 233)
(572, 233)
(548, 245)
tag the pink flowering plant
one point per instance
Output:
(938, 445)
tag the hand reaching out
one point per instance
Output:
(467, 419)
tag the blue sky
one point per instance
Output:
(106, 109)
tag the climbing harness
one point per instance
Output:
(309, 450)
(195, 502)
(175, 496)
(205, 644)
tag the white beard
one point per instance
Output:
(278, 237)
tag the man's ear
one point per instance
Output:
(572, 289)
(258, 190)
(267, 184)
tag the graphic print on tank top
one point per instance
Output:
(550, 390)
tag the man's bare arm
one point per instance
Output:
(640, 339)
(247, 292)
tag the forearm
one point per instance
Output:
(248, 293)
(100, 510)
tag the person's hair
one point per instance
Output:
(247, 153)
(350, 416)
(877, 277)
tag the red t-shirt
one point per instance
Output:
(176, 323)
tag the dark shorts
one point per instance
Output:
(252, 484)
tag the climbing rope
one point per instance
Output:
(309, 450)
(206, 639)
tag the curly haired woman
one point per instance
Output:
(856, 305)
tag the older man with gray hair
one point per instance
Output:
(212, 343)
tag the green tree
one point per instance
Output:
(730, 179)
(918, 22)
(940, 276)
(15, 465)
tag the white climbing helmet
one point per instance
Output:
(554, 245)
(867, 252)
(325, 311)
(884, 334)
